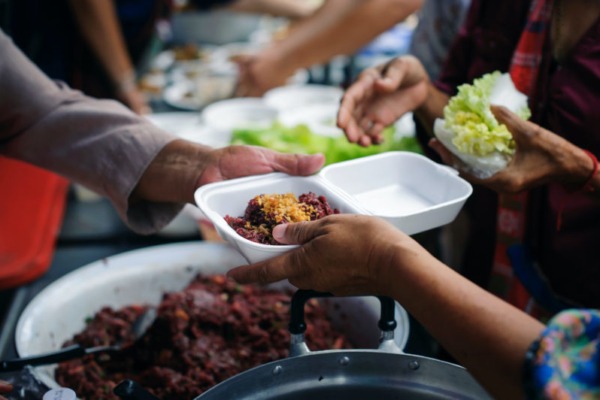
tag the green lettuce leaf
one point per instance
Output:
(301, 140)
(469, 116)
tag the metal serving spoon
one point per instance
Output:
(139, 328)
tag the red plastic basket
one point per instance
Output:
(32, 204)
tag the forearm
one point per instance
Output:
(486, 335)
(338, 27)
(178, 163)
(292, 9)
(99, 25)
(432, 108)
(98, 143)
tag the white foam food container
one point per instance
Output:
(406, 189)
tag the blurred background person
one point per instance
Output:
(337, 27)
(100, 46)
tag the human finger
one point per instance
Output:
(295, 164)
(392, 76)
(520, 129)
(375, 132)
(355, 94)
(276, 269)
(297, 233)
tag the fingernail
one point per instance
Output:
(279, 232)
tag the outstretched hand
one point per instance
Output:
(182, 167)
(380, 96)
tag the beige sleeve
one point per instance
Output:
(97, 143)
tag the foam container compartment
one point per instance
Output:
(406, 189)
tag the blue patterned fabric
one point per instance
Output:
(565, 362)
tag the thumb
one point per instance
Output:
(296, 164)
(298, 233)
(392, 76)
(519, 128)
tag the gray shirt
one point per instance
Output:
(439, 22)
(98, 143)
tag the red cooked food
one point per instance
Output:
(209, 332)
(266, 211)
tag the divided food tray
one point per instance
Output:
(406, 189)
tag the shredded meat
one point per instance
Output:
(264, 212)
(209, 332)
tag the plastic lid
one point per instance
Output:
(60, 394)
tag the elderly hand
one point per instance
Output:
(343, 254)
(182, 167)
(381, 96)
(541, 157)
(5, 388)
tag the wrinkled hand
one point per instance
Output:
(5, 388)
(239, 161)
(260, 73)
(541, 157)
(343, 254)
(182, 167)
(380, 97)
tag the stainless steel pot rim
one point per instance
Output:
(339, 368)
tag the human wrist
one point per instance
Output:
(575, 168)
(405, 258)
(125, 82)
(173, 174)
(280, 60)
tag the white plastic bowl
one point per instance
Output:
(247, 113)
(408, 190)
(320, 118)
(294, 96)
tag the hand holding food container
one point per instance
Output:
(408, 190)
(347, 255)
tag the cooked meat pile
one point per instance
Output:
(266, 211)
(211, 331)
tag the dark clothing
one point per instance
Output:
(566, 102)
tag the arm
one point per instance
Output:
(488, 336)
(99, 25)
(338, 27)
(292, 9)
(145, 172)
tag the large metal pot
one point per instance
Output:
(386, 373)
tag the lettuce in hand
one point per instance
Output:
(470, 129)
